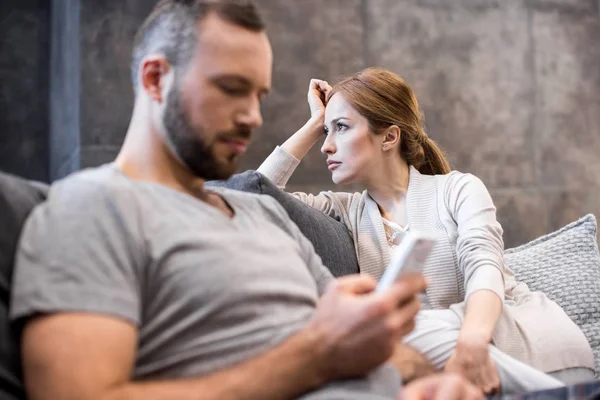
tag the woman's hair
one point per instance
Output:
(384, 99)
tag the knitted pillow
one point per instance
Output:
(565, 265)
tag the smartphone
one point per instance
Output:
(410, 256)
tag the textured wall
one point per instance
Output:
(107, 31)
(24, 59)
(510, 88)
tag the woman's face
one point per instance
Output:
(349, 145)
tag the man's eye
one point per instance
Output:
(233, 91)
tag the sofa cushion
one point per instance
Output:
(565, 265)
(330, 238)
(17, 199)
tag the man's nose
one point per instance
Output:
(251, 116)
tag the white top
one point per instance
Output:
(468, 256)
(452, 253)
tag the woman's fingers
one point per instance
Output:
(320, 87)
(491, 383)
(318, 84)
(324, 86)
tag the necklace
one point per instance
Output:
(390, 234)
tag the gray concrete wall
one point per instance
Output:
(24, 83)
(510, 88)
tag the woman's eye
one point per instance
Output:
(340, 126)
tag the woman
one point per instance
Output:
(375, 137)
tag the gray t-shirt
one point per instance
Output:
(205, 291)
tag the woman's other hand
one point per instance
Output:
(472, 360)
(317, 93)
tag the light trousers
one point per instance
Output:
(436, 334)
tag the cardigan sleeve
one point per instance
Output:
(279, 167)
(479, 245)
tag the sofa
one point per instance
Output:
(564, 264)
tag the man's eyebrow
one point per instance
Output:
(238, 79)
(232, 78)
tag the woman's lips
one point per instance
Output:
(331, 165)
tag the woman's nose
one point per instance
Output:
(328, 146)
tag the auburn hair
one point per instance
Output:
(385, 99)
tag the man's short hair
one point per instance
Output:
(170, 29)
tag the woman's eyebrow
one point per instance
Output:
(339, 119)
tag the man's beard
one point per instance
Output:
(189, 144)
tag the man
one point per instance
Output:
(136, 282)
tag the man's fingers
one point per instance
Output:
(355, 284)
(472, 393)
(398, 296)
(440, 387)
(456, 387)
(419, 389)
(452, 389)
(407, 287)
(403, 319)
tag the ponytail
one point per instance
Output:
(434, 159)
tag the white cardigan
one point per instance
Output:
(468, 256)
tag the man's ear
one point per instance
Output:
(391, 138)
(155, 77)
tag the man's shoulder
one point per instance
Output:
(262, 204)
(262, 201)
(101, 182)
(100, 191)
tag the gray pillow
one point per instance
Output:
(330, 238)
(17, 199)
(565, 265)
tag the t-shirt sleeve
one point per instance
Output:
(320, 272)
(80, 251)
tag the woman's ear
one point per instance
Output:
(391, 138)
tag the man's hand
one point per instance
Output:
(317, 93)
(440, 387)
(411, 364)
(472, 360)
(359, 329)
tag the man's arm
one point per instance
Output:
(79, 356)
(411, 364)
(82, 356)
